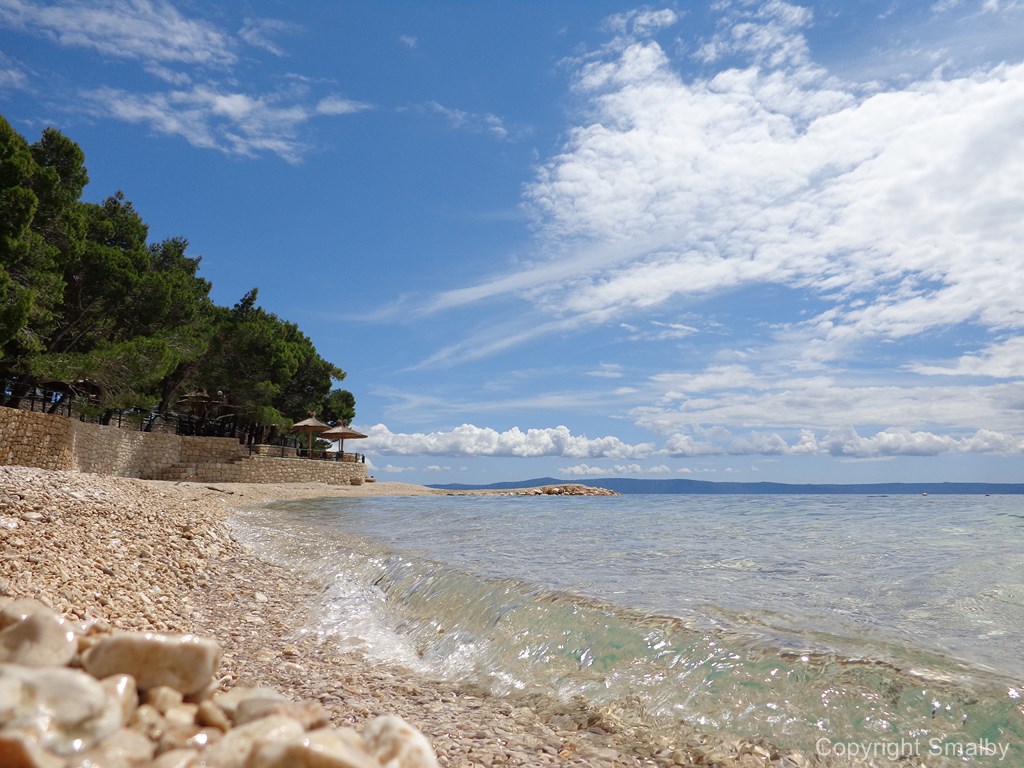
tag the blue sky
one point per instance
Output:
(725, 241)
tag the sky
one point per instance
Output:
(736, 240)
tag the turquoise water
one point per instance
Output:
(886, 619)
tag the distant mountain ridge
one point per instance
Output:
(634, 485)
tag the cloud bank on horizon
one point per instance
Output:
(780, 235)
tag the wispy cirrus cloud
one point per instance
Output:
(210, 118)
(208, 104)
(1002, 359)
(260, 33)
(896, 205)
(842, 442)
(149, 30)
(12, 74)
(473, 122)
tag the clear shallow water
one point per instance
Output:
(794, 617)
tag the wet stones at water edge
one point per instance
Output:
(73, 696)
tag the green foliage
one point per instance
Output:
(339, 407)
(18, 205)
(87, 305)
(266, 369)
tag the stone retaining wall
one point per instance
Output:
(47, 441)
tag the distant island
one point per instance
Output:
(632, 485)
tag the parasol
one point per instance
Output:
(341, 433)
(313, 426)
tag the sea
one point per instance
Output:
(828, 624)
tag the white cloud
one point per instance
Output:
(585, 470)
(1003, 360)
(866, 214)
(397, 470)
(12, 78)
(470, 440)
(409, 41)
(607, 371)
(770, 32)
(641, 23)
(213, 118)
(677, 402)
(149, 30)
(903, 194)
(185, 53)
(259, 32)
(898, 207)
(338, 105)
(842, 442)
(471, 121)
(902, 442)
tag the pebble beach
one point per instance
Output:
(115, 557)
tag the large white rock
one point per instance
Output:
(124, 748)
(396, 744)
(176, 758)
(40, 639)
(122, 689)
(310, 714)
(229, 700)
(63, 710)
(13, 611)
(322, 748)
(234, 750)
(183, 662)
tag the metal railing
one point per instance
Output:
(286, 448)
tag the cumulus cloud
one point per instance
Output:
(898, 194)
(902, 442)
(699, 442)
(470, 440)
(585, 470)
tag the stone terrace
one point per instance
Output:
(53, 442)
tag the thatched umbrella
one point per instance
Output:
(341, 433)
(313, 426)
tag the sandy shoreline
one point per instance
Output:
(149, 555)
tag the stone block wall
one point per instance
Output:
(56, 442)
(36, 440)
